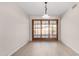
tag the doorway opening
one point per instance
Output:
(44, 29)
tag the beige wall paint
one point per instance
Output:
(14, 28)
(70, 28)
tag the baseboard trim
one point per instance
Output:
(17, 48)
(69, 47)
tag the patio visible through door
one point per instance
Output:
(46, 29)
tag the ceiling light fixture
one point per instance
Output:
(45, 14)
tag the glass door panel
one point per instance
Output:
(45, 29)
(37, 29)
(53, 29)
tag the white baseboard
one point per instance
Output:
(69, 47)
(17, 48)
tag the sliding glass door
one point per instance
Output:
(44, 29)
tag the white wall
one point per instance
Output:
(70, 29)
(40, 17)
(14, 28)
